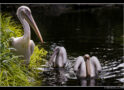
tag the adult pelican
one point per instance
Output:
(87, 67)
(23, 45)
(59, 57)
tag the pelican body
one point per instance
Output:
(59, 57)
(87, 69)
(23, 45)
(58, 60)
(81, 66)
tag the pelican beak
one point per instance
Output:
(31, 21)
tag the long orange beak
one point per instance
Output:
(31, 21)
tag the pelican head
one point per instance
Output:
(86, 57)
(25, 13)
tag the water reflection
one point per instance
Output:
(96, 31)
(92, 29)
(111, 75)
(55, 77)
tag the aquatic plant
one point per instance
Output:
(12, 70)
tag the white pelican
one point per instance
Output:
(59, 60)
(23, 45)
(59, 57)
(87, 67)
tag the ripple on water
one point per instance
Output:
(111, 75)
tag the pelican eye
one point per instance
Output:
(28, 12)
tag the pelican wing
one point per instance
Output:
(64, 55)
(32, 45)
(78, 63)
(80, 67)
(96, 63)
(53, 55)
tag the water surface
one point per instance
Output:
(96, 31)
(81, 29)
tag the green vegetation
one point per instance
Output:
(12, 70)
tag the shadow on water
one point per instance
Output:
(83, 29)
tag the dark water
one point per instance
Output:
(83, 29)
(97, 32)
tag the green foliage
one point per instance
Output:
(12, 71)
(35, 58)
(9, 28)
